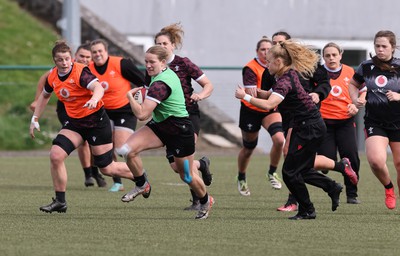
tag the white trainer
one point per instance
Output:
(243, 188)
(143, 190)
(274, 180)
(205, 209)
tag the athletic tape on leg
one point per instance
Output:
(123, 151)
(186, 170)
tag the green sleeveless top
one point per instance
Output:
(174, 105)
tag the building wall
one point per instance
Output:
(225, 32)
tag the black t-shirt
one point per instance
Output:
(296, 101)
(379, 111)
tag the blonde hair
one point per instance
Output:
(174, 32)
(159, 51)
(297, 56)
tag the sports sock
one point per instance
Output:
(390, 185)
(272, 169)
(204, 199)
(95, 171)
(60, 196)
(339, 167)
(241, 176)
(117, 180)
(88, 172)
(139, 181)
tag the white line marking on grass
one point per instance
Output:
(174, 184)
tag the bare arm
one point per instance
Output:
(98, 92)
(354, 91)
(207, 89)
(142, 111)
(262, 94)
(352, 109)
(272, 102)
(39, 108)
(39, 89)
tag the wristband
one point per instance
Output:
(247, 98)
(33, 120)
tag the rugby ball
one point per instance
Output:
(140, 95)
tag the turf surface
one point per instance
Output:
(98, 223)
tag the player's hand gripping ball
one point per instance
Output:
(140, 95)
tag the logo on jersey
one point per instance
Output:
(381, 81)
(64, 93)
(336, 90)
(105, 85)
(71, 81)
(112, 73)
(176, 68)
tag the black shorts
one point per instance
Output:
(303, 146)
(123, 118)
(251, 120)
(176, 134)
(392, 135)
(195, 118)
(95, 128)
(61, 113)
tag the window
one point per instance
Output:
(145, 41)
(355, 51)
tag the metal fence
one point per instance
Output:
(225, 79)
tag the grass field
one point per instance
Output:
(98, 223)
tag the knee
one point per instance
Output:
(250, 145)
(278, 141)
(62, 147)
(127, 151)
(123, 151)
(376, 164)
(57, 155)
